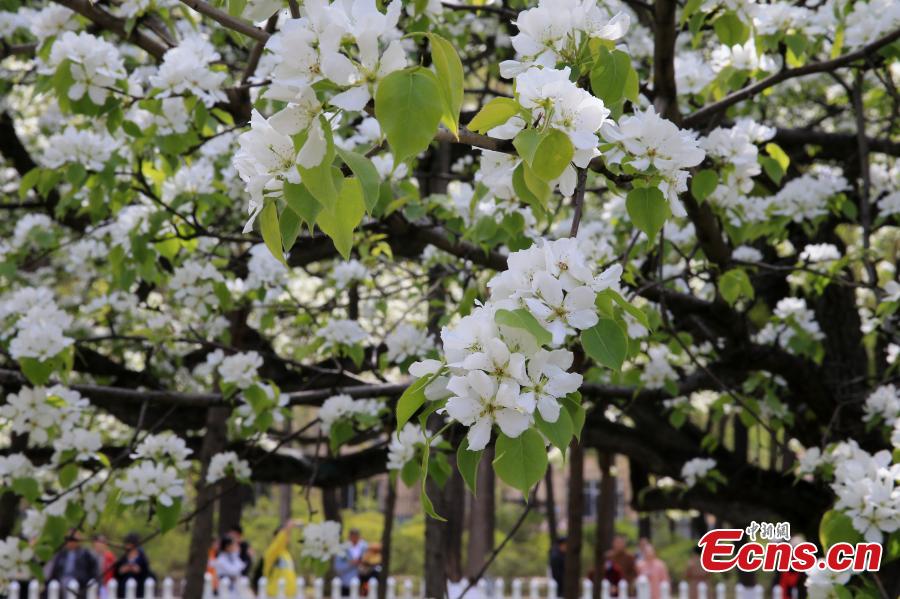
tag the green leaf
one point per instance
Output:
(409, 107)
(493, 114)
(37, 372)
(411, 400)
(428, 506)
(522, 461)
(730, 29)
(703, 184)
(606, 343)
(523, 319)
(636, 312)
(450, 77)
(735, 284)
(548, 154)
(302, 202)
(467, 464)
(779, 155)
(27, 488)
(289, 223)
(837, 527)
(68, 474)
(772, 168)
(339, 221)
(610, 74)
(648, 209)
(28, 181)
(560, 432)
(572, 404)
(410, 472)
(271, 232)
(340, 432)
(168, 515)
(367, 174)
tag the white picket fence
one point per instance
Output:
(519, 588)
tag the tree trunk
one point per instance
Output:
(9, 501)
(202, 524)
(482, 519)
(606, 518)
(231, 504)
(285, 492)
(390, 503)
(550, 496)
(572, 578)
(443, 540)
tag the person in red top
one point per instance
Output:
(105, 561)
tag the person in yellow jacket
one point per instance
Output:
(278, 564)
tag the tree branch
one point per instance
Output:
(225, 19)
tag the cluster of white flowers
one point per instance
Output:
(868, 489)
(743, 57)
(650, 143)
(657, 370)
(869, 21)
(166, 448)
(821, 580)
(16, 557)
(241, 369)
(806, 197)
(191, 179)
(88, 147)
(148, 481)
(790, 316)
(41, 332)
(498, 374)
(883, 403)
(471, 209)
(341, 332)
(42, 413)
(264, 269)
(186, 70)
(83, 442)
(404, 444)
(556, 30)
(820, 252)
(735, 149)
(304, 52)
(348, 272)
(95, 64)
(407, 341)
(225, 463)
(696, 469)
(193, 285)
(342, 407)
(52, 20)
(692, 72)
(322, 541)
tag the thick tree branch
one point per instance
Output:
(225, 19)
(700, 117)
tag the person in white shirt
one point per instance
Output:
(228, 563)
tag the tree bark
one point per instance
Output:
(482, 518)
(572, 578)
(550, 497)
(202, 526)
(231, 504)
(9, 501)
(390, 503)
(606, 518)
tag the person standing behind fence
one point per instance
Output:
(558, 564)
(228, 564)
(619, 565)
(347, 566)
(653, 568)
(278, 563)
(133, 565)
(73, 563)
(105, 560)
(246, 552)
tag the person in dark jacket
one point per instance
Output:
(558, 564)
(246, 555)
(73, 563)
(133, 565)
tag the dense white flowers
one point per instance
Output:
(791, 317)
(555, 30)
(90, 148)
(347, 272)
(186, 70)
(322, 540)
(821, 580)
(404, 444)
(240, 370)
(94, 64)
(867, 489)
(164, 448)
(149, 481)
(806, 197)
(42, 413)
(341, 332)
(696, 469)
(646, 142)
(344, 407)
(820, 252)
(16, 557)
(883, 403)
(407, 341)
(225, 463)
